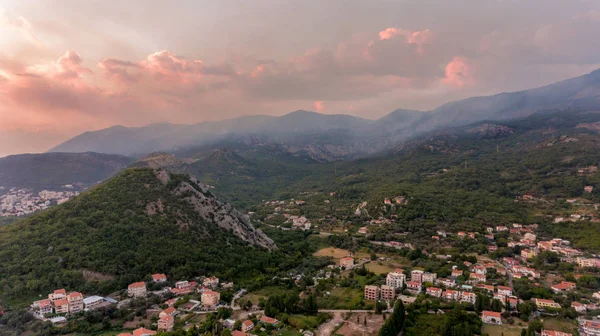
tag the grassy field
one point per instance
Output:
(559, 324)
(263, 293)
(341, 298)
(304, 322)
(499, 330)
(383, 267)
(333, 252)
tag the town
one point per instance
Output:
(21, 202)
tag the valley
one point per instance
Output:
(494, 224)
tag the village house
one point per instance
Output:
(44, 306)
(579, 307)
(428, 277)
(588, 262)
(501, 228)
(468, 297)
(554, 333)
(434, 291)
(61, 306)
(75, 300)
(93, 302)
(413, 287)
(363, 230)
(542, 303)
(212, 282)
(143, 332)
(446, 282)
(563, 286)
(474, 278)
(588, 189)
(416, 276)
(488, 288)
(591, 328)
(504, 290)
(238, 333)
(456, 273)
(347, 262)
(58, 294)
(210, 298)
(395, 279)
(479, 269)
(371, 293)
(450, 294)
(268, 320)
(491, 317)
(247, 325)
(510, 262)
(137, 289)
(166, 323)
(171, 311)
(492, 248)
(528, 254)
(461, 234)
(159, 277)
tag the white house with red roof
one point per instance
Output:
(491, 317)
(159, 277)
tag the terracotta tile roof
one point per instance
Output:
(137, 285)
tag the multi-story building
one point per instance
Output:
(93, 302)
(413, 287)
(159, 277)
(58, 294)
(591, 328)
(210, 298)
(428, 277)
(468, 297)
(212, 282)
(388, 293)
(588, 262)
(542, 303)
(395, 280)
(137, 289)
(61, 306)
(433, 291)
(45, 306)
(416, 276)
(166, 323)
(247, 325)
(504, 290)
(450, 294)
(371, 293)
(75, 300)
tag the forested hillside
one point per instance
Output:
(139, 222)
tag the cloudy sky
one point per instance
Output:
(71, 66)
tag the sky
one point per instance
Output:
(69, 66)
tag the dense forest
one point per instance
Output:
(111, 231)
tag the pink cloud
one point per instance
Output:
(458, 73)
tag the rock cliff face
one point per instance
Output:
(212, 211)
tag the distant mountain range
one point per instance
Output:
(55, 170)
(333, 137)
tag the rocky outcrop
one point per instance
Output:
(212, 211)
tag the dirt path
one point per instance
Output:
(326, 329)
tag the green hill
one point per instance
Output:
(141, 221)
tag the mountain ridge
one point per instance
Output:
(339, 136)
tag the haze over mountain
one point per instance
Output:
(332, 137)
(55, 170)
